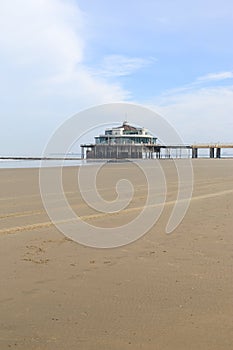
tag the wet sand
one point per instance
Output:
(160, 292)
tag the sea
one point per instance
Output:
(28, 162)
(36, 163)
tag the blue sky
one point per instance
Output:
(61, 56)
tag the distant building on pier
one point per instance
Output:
(122, 142)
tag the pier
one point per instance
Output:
(151, 151)
(127, 142)
(215, 150)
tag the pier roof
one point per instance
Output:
(126, 127)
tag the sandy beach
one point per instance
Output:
(162, 292)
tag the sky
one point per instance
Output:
(59, 57)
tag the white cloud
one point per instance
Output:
(42, 32)
(46, 40)
(43, 73)
(81, 84)
(204, 114)
(202, 83)
(119, 65)
(215, 77)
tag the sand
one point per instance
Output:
(160, 292)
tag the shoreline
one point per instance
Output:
(39, 158)
(35, 162)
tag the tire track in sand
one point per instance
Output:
(49, 224)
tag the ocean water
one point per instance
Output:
(28, 163)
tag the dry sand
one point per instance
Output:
(160, 292)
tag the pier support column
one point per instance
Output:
(218, 153)
(168, 152)
(211, 152)
(194, 152)
(130, 151)
(82, 152)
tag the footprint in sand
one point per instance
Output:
(35, 254)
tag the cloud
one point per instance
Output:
(119, 65)
(210, 80)
(44, 41)
(42, 32)
(44, 78)
(82, 85)
(200, 115)
(215, 77)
